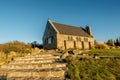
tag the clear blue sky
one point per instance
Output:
(25, 20)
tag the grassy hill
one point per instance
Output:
(95, 69)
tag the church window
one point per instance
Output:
(70, 38)
(78, 38)
(86, 39)
(50, 40)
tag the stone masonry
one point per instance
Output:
(42, 66)
(63, 36)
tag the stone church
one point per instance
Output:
(62, 36)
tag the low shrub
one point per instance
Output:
(15, 46)
(13, 49)
(101, 46)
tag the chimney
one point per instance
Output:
(89, 31)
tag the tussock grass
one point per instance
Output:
(95, 69)
(106, 52)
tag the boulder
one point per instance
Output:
(35, 50)
(77, 51)
(64, 55)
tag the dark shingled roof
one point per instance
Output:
(70, 30)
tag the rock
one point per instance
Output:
(41, 50)
(35, 51)
(12, 54)
(76, 52)
(51, 51)
(64, 55)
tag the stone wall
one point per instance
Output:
(49, 33)
(64, 43)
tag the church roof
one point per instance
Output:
(70, 30)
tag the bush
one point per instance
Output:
(101, 46)
(2, 57)
(15, 46)
(13, 49)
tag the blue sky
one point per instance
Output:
(25, 20)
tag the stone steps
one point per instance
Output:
(34, 67)
(58, 73)
(37, 57)
(33, 61)
(35, 78)
(31, 70)
(34, 58)
(40, 55)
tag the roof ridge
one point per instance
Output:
(53, 25)
(67, 24)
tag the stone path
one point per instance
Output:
(43, 66)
